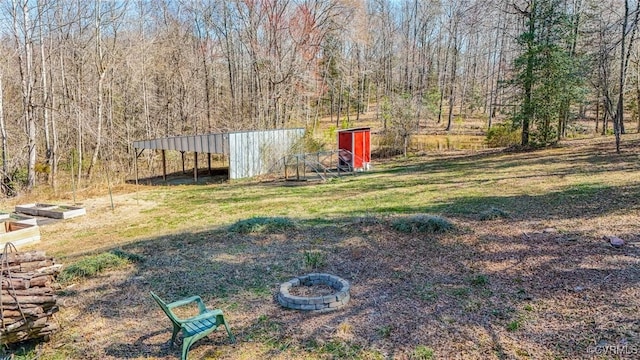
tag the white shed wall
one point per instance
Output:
(253, 153)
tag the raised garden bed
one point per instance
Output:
(51, 211)
(18, 233)
(22, 219)
(33, 209)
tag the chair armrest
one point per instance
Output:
(205, 315)
(185, 301)
(202, 308)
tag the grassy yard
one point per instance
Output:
(524, 274)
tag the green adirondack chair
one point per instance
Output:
(193, 328)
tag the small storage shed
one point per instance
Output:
(355, 147)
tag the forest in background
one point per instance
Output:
(80, 80)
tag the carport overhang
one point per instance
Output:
(217, 143)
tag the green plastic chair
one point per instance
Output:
(193, 328)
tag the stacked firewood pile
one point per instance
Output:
(27, 300)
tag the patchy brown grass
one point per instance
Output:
(535, 281)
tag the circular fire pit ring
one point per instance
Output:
(333, 301)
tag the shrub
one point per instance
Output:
(16, 181)
(20, 176)
(42, 168)
(331, 133)
(344, 124)
(262, 225)
(313, 259)
(422, 223)
(388, 145)
(503, 135)
(308, 143)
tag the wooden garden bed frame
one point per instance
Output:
(51, 211)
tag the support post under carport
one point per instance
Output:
(135, 162)
(164, 166)
(195, 167)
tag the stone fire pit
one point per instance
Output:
(339, 298)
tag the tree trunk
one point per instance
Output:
(207, 90)
(452, 85)
(638, 96)
(495, 84)
(54, 144)
(442, 82)
(624, 63)
(527, 105)
(3, 134)
(597, 107)
(405, 144)
(339, 105)
(605, 116)
(100, 91)
(79, 145)
(24, 47)
(230, 61)
(45, 97)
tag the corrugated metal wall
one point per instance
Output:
(253, 153)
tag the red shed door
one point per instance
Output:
(358, 149)
(367, 146)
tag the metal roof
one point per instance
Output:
(207, 143)
(355, 129)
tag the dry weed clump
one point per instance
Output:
(262, 225)
(93, 265)
(422, 223)
(493, 213)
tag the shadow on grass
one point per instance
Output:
(592, 158)
(407, 290)
(143, 346)
(575, 202)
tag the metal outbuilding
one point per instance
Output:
(250, 153)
